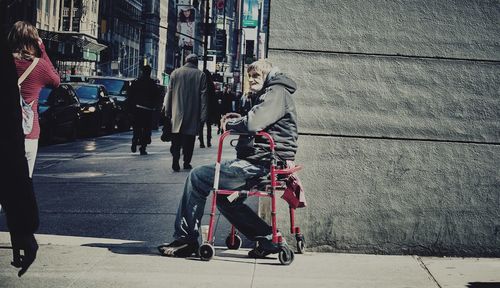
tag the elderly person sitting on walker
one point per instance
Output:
(274, 112)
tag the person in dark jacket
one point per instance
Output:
(17, 197)
(211, 111)
(275, 113)
(227, 100)
(142, 102)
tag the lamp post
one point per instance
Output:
(258, 29)
(207, 28)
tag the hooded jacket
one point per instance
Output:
(273, 113)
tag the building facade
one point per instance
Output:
(78, 50)
(398, 122)
(12, 11)
(151, 34)
(120, 30)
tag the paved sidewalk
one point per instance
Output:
(95, 262)
(69, 261)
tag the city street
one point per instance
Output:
(96, 187)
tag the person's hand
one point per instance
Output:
(227, 117)
(232, 115)
(40, 42)
(223, 123)
(30, 247)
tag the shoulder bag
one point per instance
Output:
(27, 108)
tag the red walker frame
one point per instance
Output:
(285, 254)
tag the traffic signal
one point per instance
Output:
(220, 44)
(211, 28)
(249, 57)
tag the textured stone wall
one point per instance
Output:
(399, 116)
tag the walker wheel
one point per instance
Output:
(237, 242)
(301, 244)
(206, 251)
(285, 255)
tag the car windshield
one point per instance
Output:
(113, 86)
(44, 95)
(76, 78)
(87, 92)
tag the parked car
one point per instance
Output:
(117, 88)
(59, 112)
(98, 110)
(75, 78)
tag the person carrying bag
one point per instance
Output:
(27, 108)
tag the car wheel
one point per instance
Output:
(73, 131)
(110, 127)
(46, 135)
(123, 126)
(96, 131)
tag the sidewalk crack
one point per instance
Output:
(422, 264)
(253, 273)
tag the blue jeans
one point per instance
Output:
(233, 176)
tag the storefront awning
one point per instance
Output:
(84, 41)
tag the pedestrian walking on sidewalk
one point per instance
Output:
(17, 198)
(227, 100)
(186, 107)
(142, 100)
(30, 57)
(211, 111)
(273, 113)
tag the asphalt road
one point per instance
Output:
(96, 187)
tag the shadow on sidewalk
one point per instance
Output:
(135, 248)
(483, 285)
(222, 254)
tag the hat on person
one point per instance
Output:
(192, 58)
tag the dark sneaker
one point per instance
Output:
(178, 248)
(209, 144)
(176, 167)
(264, 248)
(188, 166)
(143, 151)
(202, 145)
(29, 246)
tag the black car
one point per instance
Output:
(59, 113)
(98, 110)
(117, 88)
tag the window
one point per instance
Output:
(47, 6)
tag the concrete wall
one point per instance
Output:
(399, 116)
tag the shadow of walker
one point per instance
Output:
(222, 254)
(134, 248)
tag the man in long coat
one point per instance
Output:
(186, 106)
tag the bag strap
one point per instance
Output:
(28, 71)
